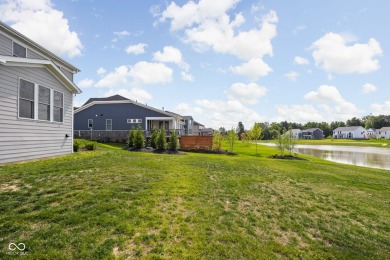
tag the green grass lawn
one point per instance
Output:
(113, 203)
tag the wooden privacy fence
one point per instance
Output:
(196, 142)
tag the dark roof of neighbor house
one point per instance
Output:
(197, 123)
(173, 113)
(347, 128)
(311, 130)
(112, 98)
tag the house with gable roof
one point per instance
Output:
(36, 97)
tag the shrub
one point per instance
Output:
(76, 145)
(231, 138)
(139, 138)
(173, 142)
(90, 146)
(161, 140)
(131, 137)
(217, 141)
(153, 138)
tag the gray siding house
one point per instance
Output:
(311, 133)
(36, 97)
(112, 118)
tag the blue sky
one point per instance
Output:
(222, 61)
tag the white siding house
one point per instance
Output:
(384, 132)
(350, 132)
(36, 97)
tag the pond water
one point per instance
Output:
(362, 156)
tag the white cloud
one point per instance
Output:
(253, 69)
(39, 21)
(300, 60)
(142, 72)
(85, 83)
(298, 113)
(330, 99)
(186, 76)
(292, 75)
(207, 25)
(381, 109)
(101, 71)
(136, 49)
(298, 29)
(151, 73)
(118, 76)
(122, 33)
(185, 109)
(246, 93)
(169, 54)
(368, 88)
(333, 55)
(137, 94)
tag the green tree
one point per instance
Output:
(153, 138)
(173, 141)
(217, 140)
(131, 137)
(231, 138)
(139, 139)
(240, 129)
(161, 140)
(256, 133)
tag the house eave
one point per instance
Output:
(49, 65)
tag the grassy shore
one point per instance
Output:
(112, 203)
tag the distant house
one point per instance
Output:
(350, 132)
(189, 126)
(206, 131)
(295, 133)
(311, 133)
(371, 133)
(384, 132)
(113, 117)
(36, 97)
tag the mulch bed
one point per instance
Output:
(285, 157)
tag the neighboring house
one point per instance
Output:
(311, 133)
(295, 133)
(206, 132)
(189, 126)
(371, 133)
(36, 97)
(384, 132)
(113, 117)
(198, 127)
(350, 132)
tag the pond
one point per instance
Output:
(362, 156)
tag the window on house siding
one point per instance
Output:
(19, 51)
(26, 99)
(44, 103)
(90, 123)
(133, 121)
(58, 106)
(108, 124)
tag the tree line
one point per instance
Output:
(273, 130)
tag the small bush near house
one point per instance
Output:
(90, 146)
(131, 137)
(153, 138)
(76, 145)
(139, 139)
(173, 142)
(161, 140)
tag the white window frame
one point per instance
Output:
(89, 127)
(36, 102)
(13, 54)
(108, 119)
(134, 121)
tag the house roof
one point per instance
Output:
(48, 53)
(385, 128)
(112, 98)
(311, 130)
(122, 101)
(347, 128)
(197, 123)
(48, 64)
